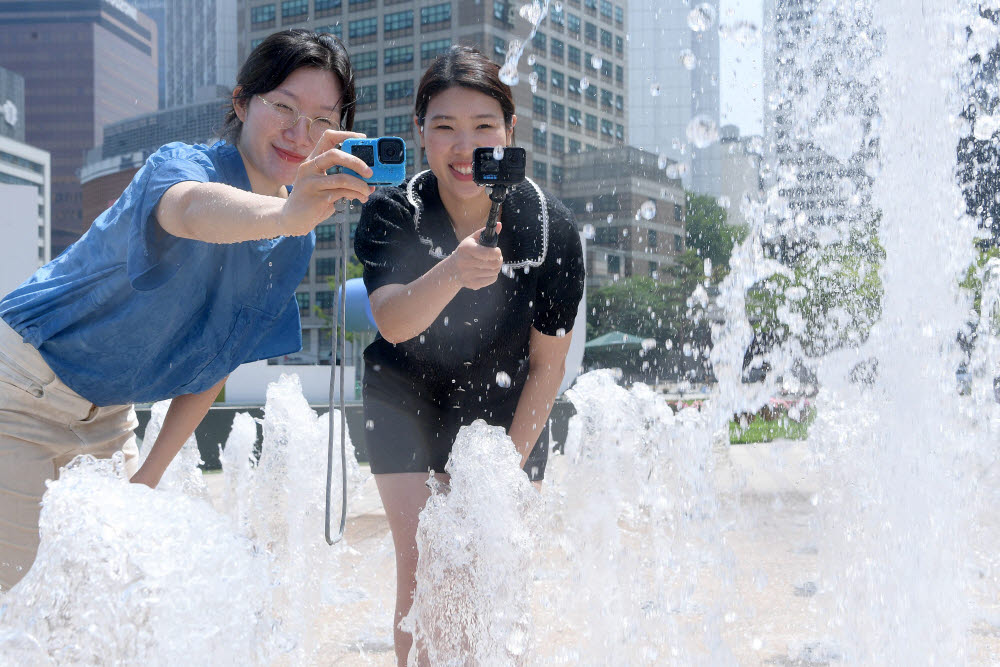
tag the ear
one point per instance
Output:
(510, 130)
(420, 130)
(239, 106)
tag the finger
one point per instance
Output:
(337, 157)
(338, 194)
(332, 139)
(358, 187)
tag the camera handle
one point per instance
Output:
(489, 236)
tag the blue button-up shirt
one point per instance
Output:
(130, 313)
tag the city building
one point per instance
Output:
(740, 177)
(25, 177)
(85, 63)
(570, 97)
(673, 79)
(110, 166)
(197, 47)
(630, 210)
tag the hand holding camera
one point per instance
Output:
(499, 168)
(385, 156)
(474, 265)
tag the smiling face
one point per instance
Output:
(459, 120)
(272, 154)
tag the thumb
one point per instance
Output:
(482, 229)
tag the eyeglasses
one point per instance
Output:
(286, 117)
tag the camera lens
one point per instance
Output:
(391, 151)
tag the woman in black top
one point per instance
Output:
(465, 331)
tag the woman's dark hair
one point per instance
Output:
(279, 55)
(466, 67)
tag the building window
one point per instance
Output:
(590, 4)
(558, 144)
(542, 72)
(363, 28)
(592, 122)
(606, 40)
(574, 146)
(574, 55)
(620, 132)
(435, 14)
(619, 15)
(605, 9)
(539, 105)
(678, 243)
(557, 174)
(607, 98)
(651, 240)
(500, 46)
(398, 55)
(324, 7)
(678, 212)
(590, 32)
(367, 96)
(326, 267)
(500, 11)
(574, 117)
(573, 24)
(303, 300)
(619, 45)
(368, 127)
(556, 16)
(327, 234)
(619, 74)
(541, 171)
(614, 264)
(363, 62)
(397, 90)
(325, 300)
(539, 42)
(294, 9)
(607, 128)
(592, 93)
(432, 49)
(399, 125)
(335, 29)
(557, 48)
(262, 17)
(558, 80)
(573, 85)
(606, 69)
(558, 112)
(398, 21)
(539, 138)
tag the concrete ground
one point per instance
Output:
(776, 567)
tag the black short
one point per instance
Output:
(405, 432)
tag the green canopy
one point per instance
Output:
(614, 339)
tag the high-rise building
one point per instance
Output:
(24, 190)
(570, 98)
(632, 212)
(85, 63)
(674, 79)
(740, 173)
(197, 46)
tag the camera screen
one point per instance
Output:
(365, 152)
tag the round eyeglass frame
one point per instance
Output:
(287, 125)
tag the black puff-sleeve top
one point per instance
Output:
(405, 231)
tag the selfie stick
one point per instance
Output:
(340, 344)
(489, 236)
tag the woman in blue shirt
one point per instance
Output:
(189, 274)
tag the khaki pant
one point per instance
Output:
(43, 425)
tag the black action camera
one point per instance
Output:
(507, 170)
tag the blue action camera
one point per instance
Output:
(385, 155)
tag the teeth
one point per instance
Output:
(463, 170)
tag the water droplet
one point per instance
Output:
(611, 218)
(503, 380)
(560, 332)
(688, 59)
(743, 33)
(702, 131)
(369, 425)
(422, 338)
(508, 74)
(498, 152)
(676, 170)
(543, 127)
(654, 89)
(584, 83)
(531, 12)
(589, 206)
(758, 643)
(662, 162)
(724, 201)
(533, 79)
(648, 209)
(531, 59)
(873, 167)
(648, 344)
(446, 320)
(701, 17)
(270, 264)
(588, 231)
(596, 62)
(708, 267)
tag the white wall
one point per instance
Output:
(247, 385)
(19, 229)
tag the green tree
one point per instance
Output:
(708, 233)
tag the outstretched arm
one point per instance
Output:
(183, 417)
(546, 369)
